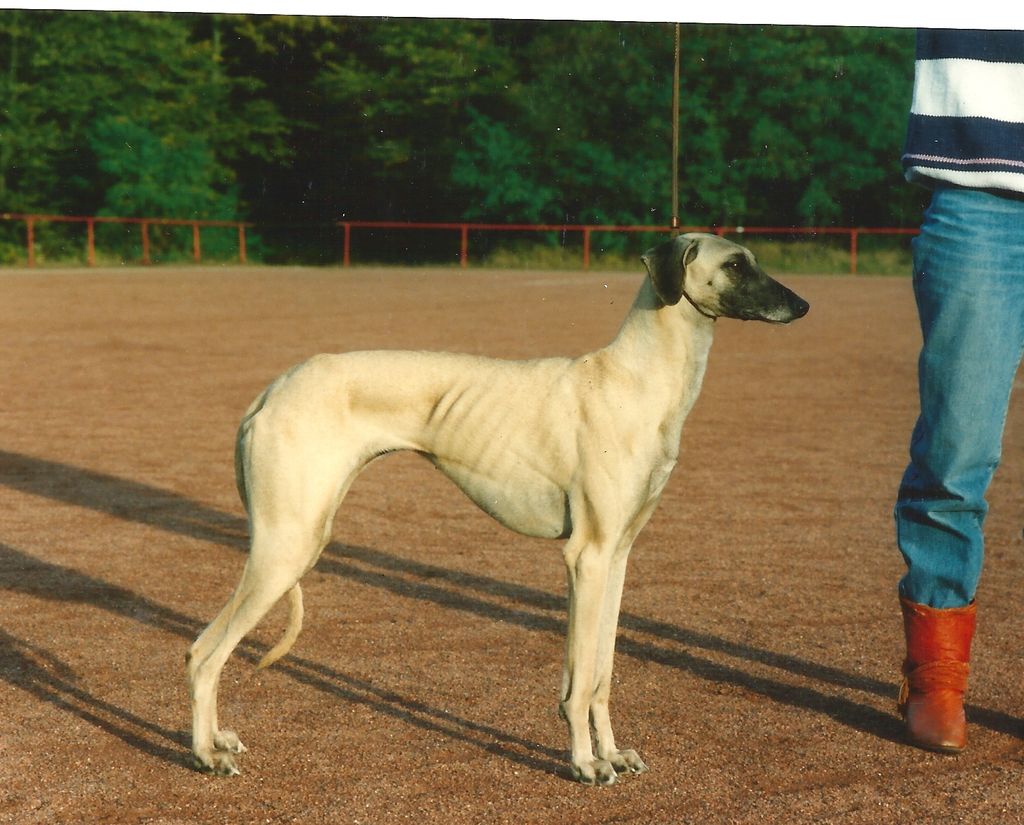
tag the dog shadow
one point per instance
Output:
(515, 604)
(43, 675)
(48, 679)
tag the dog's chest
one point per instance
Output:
(514, 493)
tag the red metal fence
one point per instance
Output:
(462, 228)
(32, 221)
(853, 233)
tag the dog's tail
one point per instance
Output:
(291, 633)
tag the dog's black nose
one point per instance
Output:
(800, 307)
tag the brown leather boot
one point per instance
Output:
(935, 674)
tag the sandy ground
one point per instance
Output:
(760, 641)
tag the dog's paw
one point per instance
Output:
(219, 763)
(227, 740)
(220, 759)
(594, 772)
(627, 761)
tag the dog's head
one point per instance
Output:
(720, 279)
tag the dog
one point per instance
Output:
(577, 449)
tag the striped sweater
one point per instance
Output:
(966, 124)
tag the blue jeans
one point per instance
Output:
(969, 286)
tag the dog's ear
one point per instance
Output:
(666, 265)
(690, 253)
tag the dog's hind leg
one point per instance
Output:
(275, 564)
(290, 513)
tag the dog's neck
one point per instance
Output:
(667, 348)
(671, 334)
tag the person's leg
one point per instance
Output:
(969, 286)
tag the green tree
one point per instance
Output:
(297, 122)
(779, 125)
(376, 112)
(789, 125)
(88, 72)
(173, 176)
(28, 136)
(583, 134)
(398, 99)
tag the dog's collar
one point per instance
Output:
(693, 303)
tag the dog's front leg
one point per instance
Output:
(587, 570)
(622, 760)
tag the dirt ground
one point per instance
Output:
(760, 639)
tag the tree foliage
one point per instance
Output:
(306, 120)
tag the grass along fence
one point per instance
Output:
(52, 239)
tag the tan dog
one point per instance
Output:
(578, 449)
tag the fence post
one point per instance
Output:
(90, 245)
(586, 247)
(464, 249)
(853, 251)
(196, 251)
(346, 254)
(30, 238)
(241, 243)
(144, 228)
